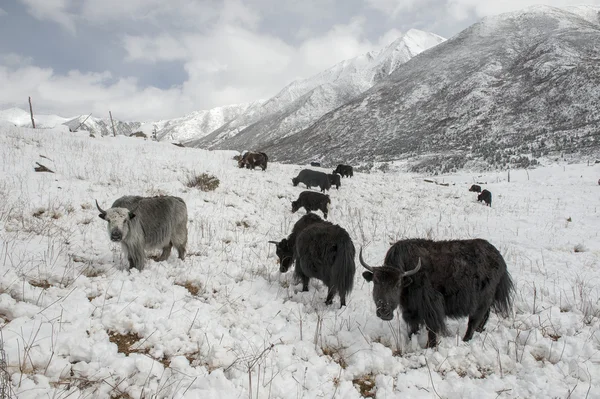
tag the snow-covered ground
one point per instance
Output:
(225, 323)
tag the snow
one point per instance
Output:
(249, 331)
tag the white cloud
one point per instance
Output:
(393, 7)
(52, 10)
(13, 60)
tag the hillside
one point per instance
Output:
(225, 323)
(303, 101)
(506, 90)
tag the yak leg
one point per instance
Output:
(181, 251)
(481, 327)
(330, 294)
(476, 320)
(165, 253)
(413, 323)
(431, 339)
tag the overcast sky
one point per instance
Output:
(155, 59)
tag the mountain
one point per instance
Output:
(22, 118)
(506, 90)
(199, 123)
(102, 126)
(302, 102)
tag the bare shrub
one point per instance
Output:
(204, 182)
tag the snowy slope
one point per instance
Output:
(303, 101)
(20, 117)
(224, 323)
(200, 123)
(522, 84)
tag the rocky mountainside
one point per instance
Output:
(506, 90)
(302, 102)
(102, 126)
(200, 123)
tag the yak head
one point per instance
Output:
(285, 253)
(388, 283)
(295, 181)
(118, 221)
(295, 206)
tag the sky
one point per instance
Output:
(147, 60)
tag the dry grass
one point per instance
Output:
(365, 385)
(192, 287)
(44, 284)
(204, 182)
(124, 342)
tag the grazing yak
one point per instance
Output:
(475, 188)
(316, 164)
(312, 201)
(140, 223)
(321, 250)
(344, 170)
(334, 179)
(312, 178)
(486, 197)
(431, 280)
(252, 159)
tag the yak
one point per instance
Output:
(321, 250)
(252, 159)
(140, 223)
(486, 197)
(451, 279)
(334, 179)
(316, 164)
(312, 201)
(475, 188)
(344, 170)
(312, 178)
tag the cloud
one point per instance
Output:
(52, 10)
(13, 60)
(2, 12)
(460, 9)
(393, 7)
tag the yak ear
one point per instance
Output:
(131, 215)
(405, 282)
(368, 276)
(102, 216)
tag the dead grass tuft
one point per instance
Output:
(365, 385)
(43, 284)
(192, 287)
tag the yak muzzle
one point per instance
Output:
(385, 315)
(116, 236)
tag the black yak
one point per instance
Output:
(321, 250)
(316, 164)
(252, 159)
(475, 188)
(334, 179)
(312, 178)
(486, 197)
(344, 170)
(140, 223)
(431, 280)
(312, 201)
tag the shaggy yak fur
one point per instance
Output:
(140, 223)
(344, 170)
(312, 178)
(334, 179)
(321, 250)
(451, 279)
(486, 197)
(475, 188)
(252, 159)
(312, 201)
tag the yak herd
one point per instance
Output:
(428, 280)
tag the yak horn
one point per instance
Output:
(274, 242)
(100, 209)
(413, 271)
(362, 262)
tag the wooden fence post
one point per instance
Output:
(113, 124)
(31, 113)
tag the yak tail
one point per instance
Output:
(503, 296)
(343, 268)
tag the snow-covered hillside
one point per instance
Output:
(224, 323)
(19, 117)
(303, 101)
(200, 123)
(510, 88)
